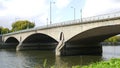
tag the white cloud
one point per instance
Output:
(62, 3)
(38, 10)
(97, 7)
(34, 10)
(24, 7)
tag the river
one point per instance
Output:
(36, 58)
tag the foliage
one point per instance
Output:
(45, 63)
(113, 39)
(18, 25)
(4, 30)
(113, 63)
(21, 25)
(1, 29)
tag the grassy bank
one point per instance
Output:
(113, 63)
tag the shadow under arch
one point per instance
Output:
(88, 42)
(95, 35)
(39, 41)
(10, 43)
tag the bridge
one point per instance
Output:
(71, 37)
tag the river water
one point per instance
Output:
(36, 58)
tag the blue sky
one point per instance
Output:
(38, 10)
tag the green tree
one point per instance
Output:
(4, 30)
(1, 29)
(113, 39)
(21, 25)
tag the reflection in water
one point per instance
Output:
(76, 60)
(35, 58)
(32, 59)
(91, 49)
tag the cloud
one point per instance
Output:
(62, 3)
(22, 9)
(4, 21)
(97, 7)
(1, 6)
(116, 1)
(34, 10)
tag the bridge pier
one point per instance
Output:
(60, 45)
(18, 48)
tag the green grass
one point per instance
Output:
(113, 63)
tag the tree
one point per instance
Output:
(22, 24)
(1, 29)
(4, 30)
(113, 39)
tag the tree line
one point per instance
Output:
(113, 39)
(18, 25)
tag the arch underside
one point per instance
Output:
(88, 41)
(39, 41)
(95, 35)
(10, 43)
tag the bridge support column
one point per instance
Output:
(19, 46)
(60, 45)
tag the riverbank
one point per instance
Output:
(112, 63)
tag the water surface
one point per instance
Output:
(35, 58)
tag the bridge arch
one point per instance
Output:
(11, 42)
(95, 35)
(39, 41)
(87, 42)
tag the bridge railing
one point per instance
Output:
(77, 21)
(88, 19)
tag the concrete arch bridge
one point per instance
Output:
(73, 37)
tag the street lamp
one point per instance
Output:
(74, 12)
(47, 21)
(81, 14)
(51, 11)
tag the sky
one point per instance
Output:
(38, 11)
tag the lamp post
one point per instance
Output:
(51, 11)
(74, 12)
(47, 21)
(81, 14)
